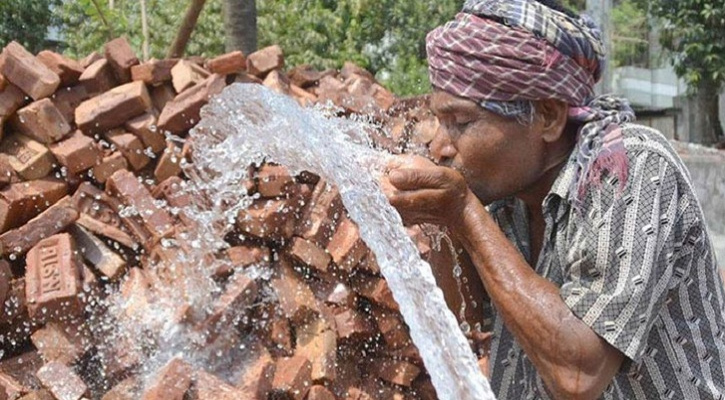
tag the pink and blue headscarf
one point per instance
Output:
(506, 54)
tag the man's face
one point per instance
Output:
(499, 157)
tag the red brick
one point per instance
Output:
(67, 69)
(119, 357)
(375, 289)
(334, 293)
(226, 64)
(108, 165)
(41, 394)
(183, 112)
(128, 389)
(77, 153)
(305, 75)
(28, 158)
(55, 344)
(265, 60)
(321, 214)
(98, 77)
(171, 382)
(369, 264)
(169, 164)
(350, 69)
(303, 97)
(5, 277)
(42, 121)
(121, 57)
(278, 82)
(7, 173)
(162, 94)
(99, 214)
(51, 221)
(273, 181)
(10, 388)
(319, 392)
(210, 387)
(19, 202)
(186, 74)
(268, 219)
(393, 328)
(15, 324)
(346, 247)
(90, 59)
(154, 72)
(27, 73)
(22, 368)
(144, 126)
(397, 372)
(113, 108)
(62, 381)
(279, 335)
(292, 377)
(352, 325)
(125, 185)
(240, 293)
(317, 341)
(103, 259)
(11, 99)
(68, 99)
(309, 254)
(295, 297)
(130, 146)
(53, 279)
(244, 256)
(256, 381)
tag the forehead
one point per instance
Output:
(446, 103)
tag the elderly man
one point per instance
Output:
(583, 228)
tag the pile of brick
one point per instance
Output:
(81, 140)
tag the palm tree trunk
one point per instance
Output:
(707, 129)
(240, 23)
(187, 27)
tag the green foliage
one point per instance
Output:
(630, 34)
(88, 24)
(384, 36)
(694, 31)
(27, 22)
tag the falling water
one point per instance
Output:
(249, 124)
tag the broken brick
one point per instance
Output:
(68, 99)
(295, 297)
(42, 121)
(113, 108)
(239, 294)
(26, 72)
(278, 82)
(77, 153)
(346, 247)
(186, 74)
(393, 328)
(103, 259)
(154, 72)
(209, 387)
(19, 202)
(261, 62)
(317, 341)
(130, 146)
(273, 181)
(99, 214)
(182, 113)
(169, 164)
(28, 158)
(269, 219)
(62, 381)
(319, 392)
(162, 94)
(256, 382)
(90, 59)
(144, 126)
(244, 256)
(292, 377)
(10, 388)
(67, 69)
(55, 344)
(171, 382)
(308, 253)
(226, 64)
(351, 324)
(375, 289)
(98, 77)
(11, 99)
(396, 371)
(127, 389)
(321, 214)
(5, 276)
(108, 165)
(306, 75)
(125, 185)
(121, 57)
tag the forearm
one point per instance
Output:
(566, 353)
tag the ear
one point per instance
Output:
(553, 115)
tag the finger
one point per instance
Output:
(419, 178)
(418, 200)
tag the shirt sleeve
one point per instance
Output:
(619, 262)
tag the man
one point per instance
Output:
(592, 246)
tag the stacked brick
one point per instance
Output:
(81, 140)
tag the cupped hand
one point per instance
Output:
(424, 192)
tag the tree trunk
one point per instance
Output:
(707, 128)
(187, 27)
(240, 25)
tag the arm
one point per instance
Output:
(571, 358)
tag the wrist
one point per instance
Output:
(472, 216)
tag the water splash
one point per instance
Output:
(249, 124)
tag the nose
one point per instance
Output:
(441, 147)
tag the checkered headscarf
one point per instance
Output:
(506, 54)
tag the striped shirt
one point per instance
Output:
(638, 267)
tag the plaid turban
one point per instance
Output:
(506, 54)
